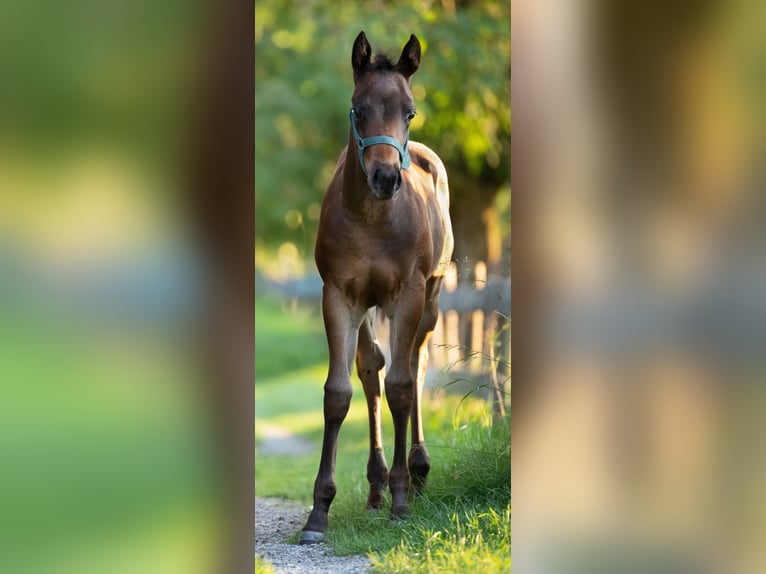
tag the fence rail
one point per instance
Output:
(471, 343)
(488, 294)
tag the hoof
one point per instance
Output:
(400, 512)
(374, 501)
(311, 537)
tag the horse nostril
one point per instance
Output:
(386, 179)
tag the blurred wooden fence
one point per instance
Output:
(471, 345)
(469, 319)
(470, 349)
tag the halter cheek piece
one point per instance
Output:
(363, 143)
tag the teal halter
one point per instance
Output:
(363, 143)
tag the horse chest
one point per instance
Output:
(374, 280)
(377, 283)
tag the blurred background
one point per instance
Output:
(640, 286)
(112, 457)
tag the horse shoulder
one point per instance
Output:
(427, 159)
(329, 218)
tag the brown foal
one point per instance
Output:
(384, 241)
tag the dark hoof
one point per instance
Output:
(400, 511)
(311, 537)
(375, 500)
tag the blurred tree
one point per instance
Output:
(462, 92)
(115, 74)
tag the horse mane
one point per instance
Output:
(382, 63)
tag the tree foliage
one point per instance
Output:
(304, 84)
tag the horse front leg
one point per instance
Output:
(369, 363)
(400, 390)
(341, 326)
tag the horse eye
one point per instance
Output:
(357, 113)
(411, 115)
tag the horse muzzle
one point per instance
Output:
(385, 181)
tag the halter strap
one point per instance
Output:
(363, 143)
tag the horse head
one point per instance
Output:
(381, 111)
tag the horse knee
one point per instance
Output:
(400, 394)
(336, 404)
(324, 493)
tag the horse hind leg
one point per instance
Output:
(369, 368)
(400, 390)
(418, 462)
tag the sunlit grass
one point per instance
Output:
(263, 567)
(460, 524)
(471, 542)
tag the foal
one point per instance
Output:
(384, 241)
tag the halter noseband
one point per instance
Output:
(363, 143)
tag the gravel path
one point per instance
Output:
(277, 519)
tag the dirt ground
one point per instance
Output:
(277, 519)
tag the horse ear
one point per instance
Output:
(410, 59)
(360, 55)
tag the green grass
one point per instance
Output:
(263, 567)
(293, 476)
(286, 338)
(467, 500)
(462, 523)
(104, 464)
(468, 542)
